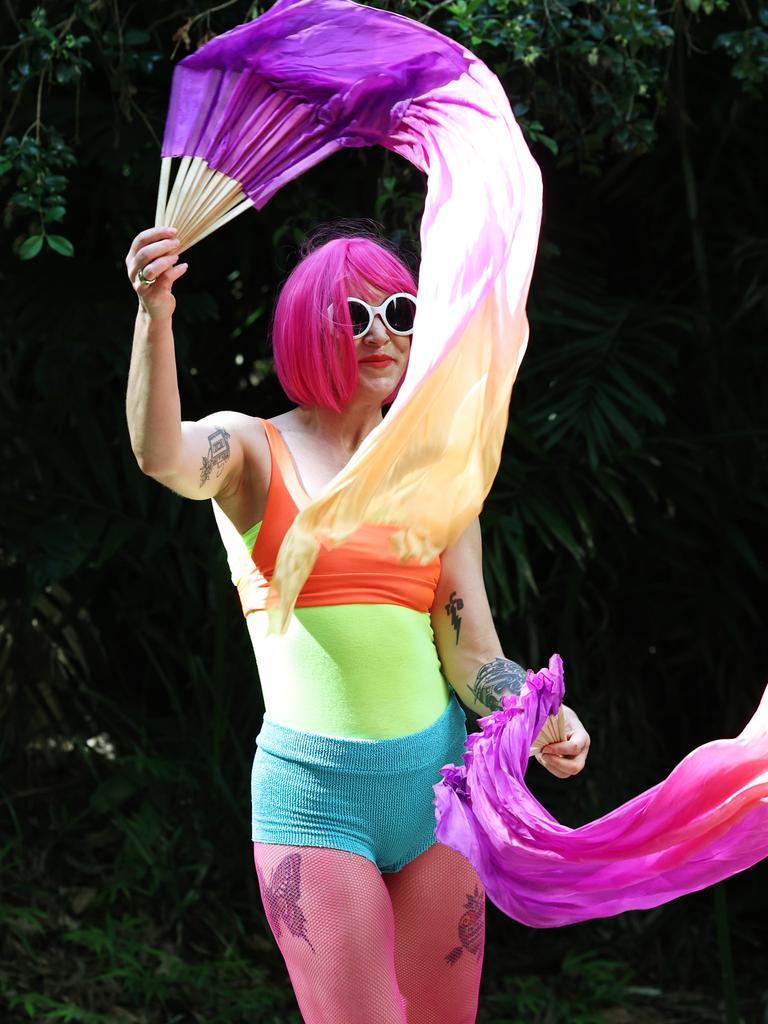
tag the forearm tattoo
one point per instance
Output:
(454, 606)
(218, 453)
(496, 679)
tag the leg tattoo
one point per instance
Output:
(281, 899)
(470, 928)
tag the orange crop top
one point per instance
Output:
(363, 570)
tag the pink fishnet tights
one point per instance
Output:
(367, 948)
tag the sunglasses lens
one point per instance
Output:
(360, 318)
(400, 313)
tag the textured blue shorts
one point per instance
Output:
(372, 797)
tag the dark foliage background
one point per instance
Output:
(625, 530)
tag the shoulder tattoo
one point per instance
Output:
(218, 454)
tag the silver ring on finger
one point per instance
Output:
(142, 279)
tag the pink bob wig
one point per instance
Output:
(315, 353)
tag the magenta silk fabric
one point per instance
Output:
(706, 821)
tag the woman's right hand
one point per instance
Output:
(154, 252)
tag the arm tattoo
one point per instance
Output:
(496, 679)
(218, 453)
(454, 606)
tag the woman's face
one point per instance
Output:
(382, 356)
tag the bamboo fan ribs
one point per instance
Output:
(553, 731)
(212, 176)
(201, 201)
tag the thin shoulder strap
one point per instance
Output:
(282, 460)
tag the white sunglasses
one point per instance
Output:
(397, 312)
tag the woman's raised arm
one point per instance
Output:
(196, 459)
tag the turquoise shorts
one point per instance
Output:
(372, 797)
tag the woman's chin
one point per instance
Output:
(380, 388)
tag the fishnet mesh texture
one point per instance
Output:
(367, 948)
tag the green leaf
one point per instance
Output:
(54, 213)
(546, 515)
(31, 247)
(550, 143)
(254, 315)
(617, 420)
(61, 245)
(55, 181)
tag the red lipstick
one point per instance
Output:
(378, 360)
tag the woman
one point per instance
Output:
(377, 922)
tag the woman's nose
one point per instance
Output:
(377, 332)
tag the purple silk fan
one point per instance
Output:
(707, 820)
(266, 101)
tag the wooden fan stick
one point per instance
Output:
(186, 191)
(191, 190)
(189, 215)
(221, 193)
(174, 187)
(181, 174)
(186, 175)
(269, 111)
(196, 189)
(210, 193)
(221, 199)
(162, 190)
(273, 125)
(246, 204)
(212, 215)
(274, 133)
(553, 731)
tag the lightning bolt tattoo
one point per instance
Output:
(454, 606)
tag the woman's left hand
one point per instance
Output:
(569, 756)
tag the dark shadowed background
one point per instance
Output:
(626, 528)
